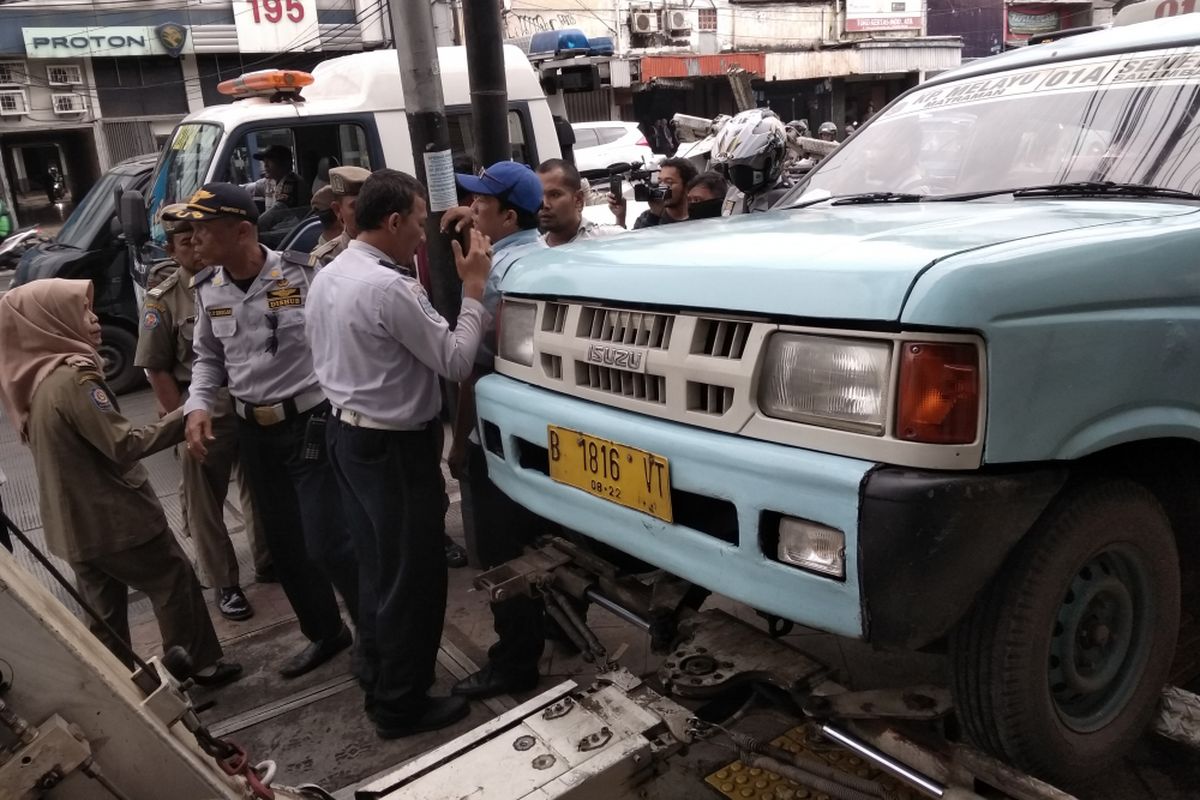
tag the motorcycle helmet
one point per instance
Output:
(827, 131)
(750, 149)
(800, 127)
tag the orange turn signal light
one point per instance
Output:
(939, 393)
(267, 80)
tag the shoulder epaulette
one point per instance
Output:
(295, 257)
(202, 276)
(158, 291)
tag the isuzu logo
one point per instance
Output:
(610, 355)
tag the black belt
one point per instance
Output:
(275, 413)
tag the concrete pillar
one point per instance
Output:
(10, 194)
(373, 23)
(18, 156)
(191, 82)
(62, 163)
(837, 104)
(443, 24)
(93, 96)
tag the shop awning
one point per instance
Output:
(928, 54)
(687, 65)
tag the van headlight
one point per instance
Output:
(828, 381)
(515, 332)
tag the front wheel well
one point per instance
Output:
(1170, 469)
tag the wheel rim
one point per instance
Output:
(114, 362)
(1101, 639)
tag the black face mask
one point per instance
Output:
(706, 209)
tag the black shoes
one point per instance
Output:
(490, 682)
(456, 556)
(439, 713)
(316, 654)
(223, 674)
(267, 575)
(232, 604)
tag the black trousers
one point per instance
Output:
(505, 529)
(301, 514)
(392, 493)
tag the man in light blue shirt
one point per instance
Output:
(507, 199)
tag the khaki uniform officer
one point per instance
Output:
(322, 206)
(250, 338)
(99, 511)
(345, 183)
(165, 352)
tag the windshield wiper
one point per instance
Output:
(1103, 188)
(868, 198)
(862, 198)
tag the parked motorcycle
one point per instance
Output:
(12, 248)
(56, 186)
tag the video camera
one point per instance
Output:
(643, 178)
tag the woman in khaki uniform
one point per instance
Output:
(99, 512)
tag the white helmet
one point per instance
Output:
(750, 149)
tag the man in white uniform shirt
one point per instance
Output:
(378, 350)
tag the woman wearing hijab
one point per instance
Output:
(99, 512)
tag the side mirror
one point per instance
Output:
(131, 214)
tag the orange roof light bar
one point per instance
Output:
(267, 81)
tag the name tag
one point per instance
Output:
(227, 311)
(284, 297)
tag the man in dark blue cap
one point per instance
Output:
(506, 199)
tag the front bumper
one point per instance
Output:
(724, 487)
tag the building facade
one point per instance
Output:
(836, 60)
(988, 27)
(85, 84)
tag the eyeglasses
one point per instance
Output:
(273, 339)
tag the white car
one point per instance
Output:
(599, 144)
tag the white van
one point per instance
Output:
(351, 114)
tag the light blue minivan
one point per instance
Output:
(948, 396)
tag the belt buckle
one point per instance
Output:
(267, 415)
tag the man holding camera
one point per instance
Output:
(671, 205)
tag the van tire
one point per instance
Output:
(118, 348)
(1044, 673)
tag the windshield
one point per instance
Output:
(1130, 118)
(96, 211)
(183, 168)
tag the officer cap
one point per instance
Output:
(347, 181)
(275, 152)
(173, 220)
(216, 200)
(322, 199)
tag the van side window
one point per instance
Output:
(462, 142)
(314, 149)
(308, 152)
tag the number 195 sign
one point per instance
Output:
(276, 26)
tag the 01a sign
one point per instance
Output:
(276, 26)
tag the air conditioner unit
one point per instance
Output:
(13, 104)
(678, 21)
(68, 103)
(643, 22)
(64, 75)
